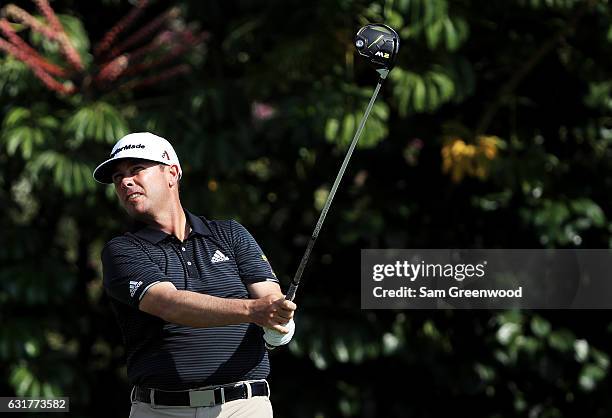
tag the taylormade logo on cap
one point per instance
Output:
(129, 147)
(140, 145)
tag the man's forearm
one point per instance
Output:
(198, 310)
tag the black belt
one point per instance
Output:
(201, 397)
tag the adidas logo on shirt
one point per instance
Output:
(134, 287)
(218, 256)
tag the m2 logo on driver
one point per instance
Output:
(382, 54)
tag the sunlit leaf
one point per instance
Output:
(99, 122)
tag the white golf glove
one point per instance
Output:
(274, 339)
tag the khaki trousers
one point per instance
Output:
(257, 406)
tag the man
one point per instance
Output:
(190, 295)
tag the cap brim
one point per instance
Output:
(103, 172)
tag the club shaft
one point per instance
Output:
(298, 275)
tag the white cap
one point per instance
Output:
(141, 145)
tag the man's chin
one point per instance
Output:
(137, 213)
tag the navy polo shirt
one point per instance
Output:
(218, 258)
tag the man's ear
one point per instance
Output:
(174, 172)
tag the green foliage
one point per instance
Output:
(423, 20)
(30, 133)
(97, 121)
(562, 223)
(551, 4)
(340, 130)
(421, 93)
(600, 95)
(72, 177)
(26, 383)
(76, 34)
(20, 136)
(14, 76)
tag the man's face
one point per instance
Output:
(141, 186)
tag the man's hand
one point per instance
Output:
(272, 312)
(275, 339)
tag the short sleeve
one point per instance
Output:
(128, 271)
(253, 265)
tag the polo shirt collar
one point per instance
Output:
(197, 224)
(154, 235)
(149, 233)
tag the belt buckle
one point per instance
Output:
(198, 398)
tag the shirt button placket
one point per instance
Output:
(190, 266)
(182, 255)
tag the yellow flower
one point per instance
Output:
(461, 159)
(488, 144)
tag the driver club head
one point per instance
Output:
(379, 43)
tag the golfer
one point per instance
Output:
(191, 295)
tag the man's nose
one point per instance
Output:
(127, 181)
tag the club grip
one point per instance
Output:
(291, 292)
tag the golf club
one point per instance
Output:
(379, 44)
